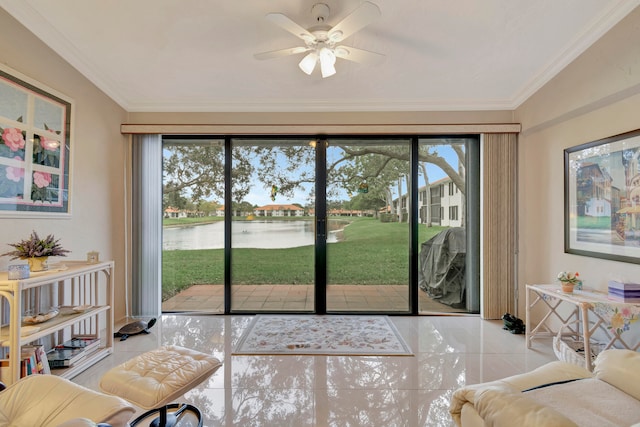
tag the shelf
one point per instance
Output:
(58, 272)
(88, 361)
(69, 283)
(61, 321)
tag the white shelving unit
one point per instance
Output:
(70, 284)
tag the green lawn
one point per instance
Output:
(191, 221)
(599, 223)
(371, 252)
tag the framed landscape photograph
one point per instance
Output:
(35, 148)
(602, 198)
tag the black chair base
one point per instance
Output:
(168, 418)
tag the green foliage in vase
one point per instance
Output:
(34, 247)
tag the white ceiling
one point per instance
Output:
(197, 55)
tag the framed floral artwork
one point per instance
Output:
(602, 198)
(35, 149)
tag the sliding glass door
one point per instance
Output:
(193, 233)
(324, 225)
(368, 204)
(448, 267)
(273, 225)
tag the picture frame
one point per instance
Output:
(602, 198)
(35, 148)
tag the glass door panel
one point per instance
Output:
(273, 225)
(193, 225)
(442, 232)
(368, 205)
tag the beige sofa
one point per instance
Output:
(557, 394)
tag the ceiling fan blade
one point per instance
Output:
(280, 53)
(287, 24)
(358, 55)
(365, 14)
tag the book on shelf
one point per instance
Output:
(28, 364)
(33, 360)
(87, 343)
(624, 292)
(621, 286)
(624, 299)
(5, 370)
(64, 357)
(39, 355)
(619, 293)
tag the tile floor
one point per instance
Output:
(277, 391)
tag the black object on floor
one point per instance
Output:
(513, 324)
(135, 328)
(168, 418)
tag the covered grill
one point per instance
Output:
(442, 267)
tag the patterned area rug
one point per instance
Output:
(322, 335)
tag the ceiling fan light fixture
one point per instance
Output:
(307, 37)
(308, 63)
(341, 51)
(327, 62)
(335, 35)
(321, 39)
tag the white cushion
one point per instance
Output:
(159, 376)
(464, 399)
(589, 402)
(506, 407)
(621, 369)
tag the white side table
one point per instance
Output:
(611, 317)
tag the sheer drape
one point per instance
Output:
(146, 292)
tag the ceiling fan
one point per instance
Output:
(322, 40)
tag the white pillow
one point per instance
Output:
(621, 369)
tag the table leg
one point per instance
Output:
(586, 336)
(527, 319)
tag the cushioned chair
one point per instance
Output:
(52, 401)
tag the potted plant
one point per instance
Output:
(568, 280)
(36, 250)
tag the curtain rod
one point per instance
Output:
(316, 129)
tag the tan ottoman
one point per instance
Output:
(159, 376)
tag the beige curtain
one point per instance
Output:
(499, 157)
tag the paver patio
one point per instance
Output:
(210, 299)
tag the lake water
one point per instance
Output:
(244, 234)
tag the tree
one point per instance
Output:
(172, 198)
(365, 202)
(427, 153)
(198, 170)
(425, 174)
(209, 208)
(241, 208)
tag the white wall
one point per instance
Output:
(597, 96)
(99, 154)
